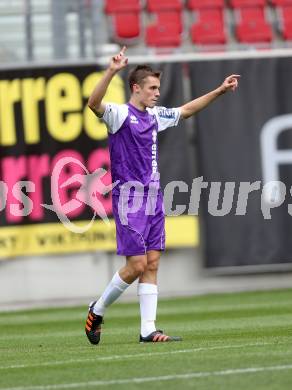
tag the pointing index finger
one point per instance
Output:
(124, 48)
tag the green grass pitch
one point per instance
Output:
(230, 341)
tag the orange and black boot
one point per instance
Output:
(158, 337)
(93, 325)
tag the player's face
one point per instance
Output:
(150, 91)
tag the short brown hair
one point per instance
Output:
(139, 73)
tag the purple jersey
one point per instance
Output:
(133, 141)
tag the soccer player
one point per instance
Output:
(133, 129)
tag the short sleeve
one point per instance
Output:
(114, 116)
(166, 117)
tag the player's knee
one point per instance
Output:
(139, 266)
(153, 264)
(153, 258)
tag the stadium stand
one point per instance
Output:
(166, 33)
(209, 29)
(281, 2)
(164, 5)
(113, 6)
(166, 29)
(232, 23)
(126, 26)
(252, 25)
(172, 18)
(199, 4)
(247, 3)
(143, 25)
(14, 40)
(285, 21)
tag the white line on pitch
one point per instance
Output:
(191, 375)
(133, 356)
(117, 313)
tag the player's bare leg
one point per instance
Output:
(150, 273)
(135, 267)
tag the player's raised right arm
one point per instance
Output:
(117, 62)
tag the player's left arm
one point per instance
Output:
(196, 105)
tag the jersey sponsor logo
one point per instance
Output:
(133, 119)
(154, 151)
(166, 113)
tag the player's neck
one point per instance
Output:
(137, 104)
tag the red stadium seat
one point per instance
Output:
(253, 27)
(279, 3)
(199, 4)
(247, 3)
(286, 22)
(114, 6)
(166, 30)
(164, 5)
(167, 35)
(126, 25)
(286, 13)
(210, 28)
(172, 18)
